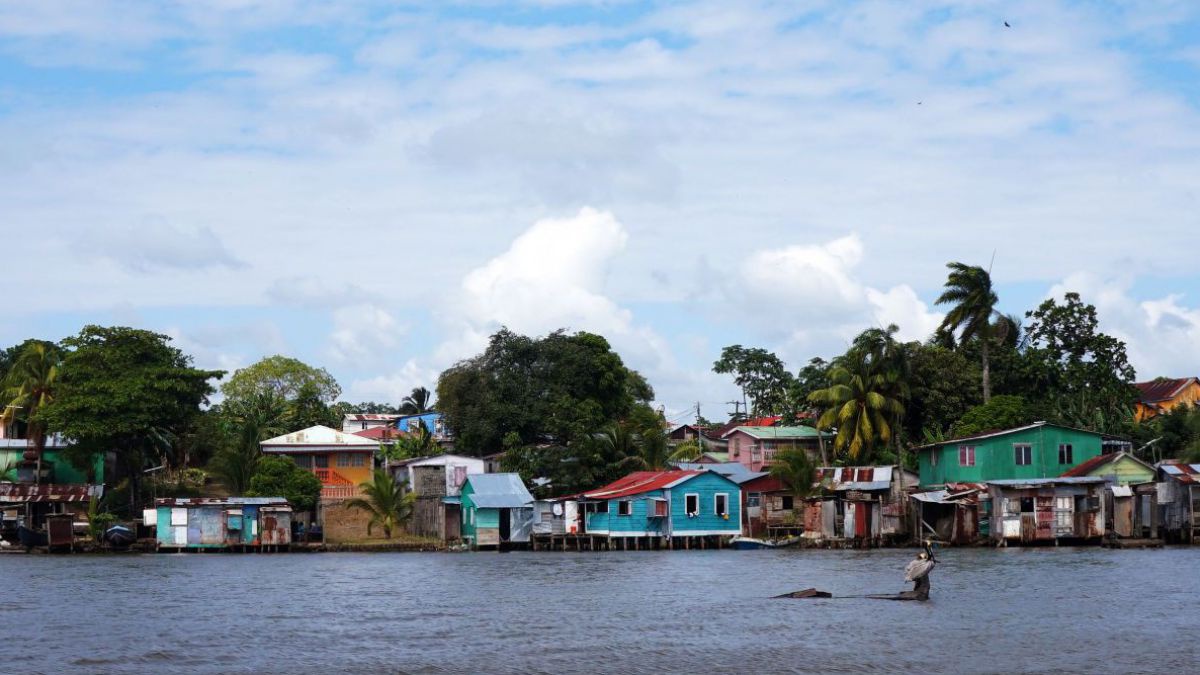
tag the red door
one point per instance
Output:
(862, 519)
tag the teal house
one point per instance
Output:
(55, 468)
(497, 509)
(237, 523)
(1038, 450)
(665, 505)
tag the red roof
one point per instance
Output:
(638, 482)
(381, 433)
(1162, 389)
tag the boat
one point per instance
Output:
(751, 543)
(30, 537)
(119, 536)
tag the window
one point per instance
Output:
(321, 461)
(788, 502)
(414, 425)
(1023, 454)
(966, 455)
(343, 460)
(471, 516)
(1066, 453)
(754, 499)
(303, 461)
(721, 504)
(624, 508)
(659, 508)
(737, 447)
(691, 504)
(460, 475)
(933, 456)
(602, 507)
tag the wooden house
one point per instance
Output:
(1179, 501)
(861, 504)
(660, 507)
(958, 514)
(432, 479)
(755, 446)
(1161, 395)
(1131, 498)
(235, 523)
(497, 510)
(1047, 509)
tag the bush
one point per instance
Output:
(277, 476)
(1002, 412)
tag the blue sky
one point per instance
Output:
(375, 187)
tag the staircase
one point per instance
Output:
(334, 485)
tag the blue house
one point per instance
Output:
(665, 506)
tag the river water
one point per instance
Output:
(1001, 611)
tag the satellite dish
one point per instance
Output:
(556, 509)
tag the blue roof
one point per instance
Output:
(498, 491)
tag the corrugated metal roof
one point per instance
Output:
(855, 477)
(735, 471)
(639, 482)
(382, 433)
(1003, 432)
(1037, 482)
(771, 433)
(498, 491)
(1163, 389)
(221, 501)
(1184, 473)
(318, 436)
(28, 492)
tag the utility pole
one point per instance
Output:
(736, 408)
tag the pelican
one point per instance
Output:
(918, 571)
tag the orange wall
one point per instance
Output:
(1190, 396)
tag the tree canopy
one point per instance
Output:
(284, 376)
(761, 375)
(277, 476)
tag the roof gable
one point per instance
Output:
(1005, 432)
(497, 490)
(773, 433)
(322, 436)
(1094, 464)
(1163, 389)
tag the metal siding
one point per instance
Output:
(706, 485)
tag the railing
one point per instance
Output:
(338, 491)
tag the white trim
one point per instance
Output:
(634, 533)
(699, 533)
(629, 514)
(717, 512)
(686, 513)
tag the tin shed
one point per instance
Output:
(497, 509)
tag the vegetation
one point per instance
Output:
(1002, 412)
(386, 501)
(418, 402)
(285, 377)
(795, 470)
(860, 405)
(762, 377)
(29, 385)
(276, 476)
(245, 424)
(973, 304)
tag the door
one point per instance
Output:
(505, 524)
(862, 520)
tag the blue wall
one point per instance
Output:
(706, 485)
(428, 419)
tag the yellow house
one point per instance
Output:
(342, 461)
(1161, 395)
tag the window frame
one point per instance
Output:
(690, 496)
(1028, 454)
(716, 499)
(970, 455)
(625, 507)
(783, 499)
(753, 500)
(1069, 456)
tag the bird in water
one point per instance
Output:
(918, 571)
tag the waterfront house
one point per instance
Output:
(1161, 395)
(55, 467)
(1179, 500)
(959, 513)
(234, 523)
(661, 506)
(1038, 450)
(1131, 499)
(432, 479)
(862, 504)
(340, 460)
(755, 446)
(42, 507)
(1029, 510)
(354, 422)
(496, 509)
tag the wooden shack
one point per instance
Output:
(234, 523)
(1179, 501)
(1048, 510)
(957, 515)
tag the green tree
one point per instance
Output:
(969, 291)
(858, 406)
(279, 476)
(124, 390)
(308, 409)
(653, 450)
(1069, 359)
(762, 377)
(687, 451)
(385, 501)
(1001, 412)
(418, 402)
(942, 388)
(245, 424)
(794, 468)
(29, 386)
(285, 377)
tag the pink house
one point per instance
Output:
(755, 447)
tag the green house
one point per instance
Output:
(1039, 450)
(55, 468)
(497, 509)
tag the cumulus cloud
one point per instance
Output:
(158, 246)
(317, 292)
(364, 333)
(393, 386)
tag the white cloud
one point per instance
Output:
(158, 246)
(392, 387)
(364, 334)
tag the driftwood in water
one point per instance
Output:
(807, 593)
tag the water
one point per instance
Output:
(1002, 611)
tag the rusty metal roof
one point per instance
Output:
(28, 492)
(221, 501)
(1162, 389)
(1184, 473)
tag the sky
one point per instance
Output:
(375, 187)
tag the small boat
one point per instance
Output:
(30, 537)
(751, 544)
(119, 536)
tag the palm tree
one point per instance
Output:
(247, 424)
(969, 290)
(418, 402)
(622, 448)
(387, 502)
(794, 468)
(687, 451)
(858, 405)
(653, 449)
(28, 387)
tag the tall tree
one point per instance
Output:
(762, 377)
(418, 402)
(285, 377)
(28, 387)
(794, 468)
(387, 503)
(969, 291)
(124, 390)
(857, 404)
(246, 423)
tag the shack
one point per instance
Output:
(432, 479)
(664, 508)
(41, 515)
(1131, 499)
(497, 510)
(860, 504)
(1047, 510)
(558, 517)
(1179, 500)
(960, 514)
(235, 523)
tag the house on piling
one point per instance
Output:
(661, 507)
(1179, 500)
(497, 510)
(863, 505)
(1131, 498)
(1047, 510)
(234, 523)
